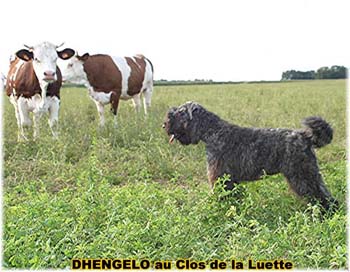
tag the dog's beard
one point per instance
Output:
(182, 137)
(178, 126)
(176, 133)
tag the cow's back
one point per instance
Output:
(124, 75)
(103, 74)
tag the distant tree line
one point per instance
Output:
(333, 72)
(184, 82)
(165, 82)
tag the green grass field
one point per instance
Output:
(127, 193)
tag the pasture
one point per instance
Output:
(127, 193)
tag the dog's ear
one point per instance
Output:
(171, 112)
(193, 106)
(172, 109)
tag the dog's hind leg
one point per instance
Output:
(305, 179)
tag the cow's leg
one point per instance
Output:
(24, 117)
(37, 112)
(114, 99)
(147, 96)
(19, 125)
(101, 112)
(54, 109)
(43, 86)
(136, 99)
(36, 119)
(115, 121)
(13, 101)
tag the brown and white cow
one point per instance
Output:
(109, 79)
(33, 85)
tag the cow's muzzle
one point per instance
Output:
(49, 76)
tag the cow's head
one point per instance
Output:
(44, 57)
(74, 72)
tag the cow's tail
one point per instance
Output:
(146, 59)
(322, 132)
(150, 64)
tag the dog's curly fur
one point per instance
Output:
(246, 154)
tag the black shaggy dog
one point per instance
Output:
(246, 154)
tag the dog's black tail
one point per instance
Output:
(322, 132)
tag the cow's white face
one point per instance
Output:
(44, 57)
(44, 62)
(73, 71)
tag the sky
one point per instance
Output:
(233, 40)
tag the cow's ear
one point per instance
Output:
(24, 54)
(66, 53)
(83, 57)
